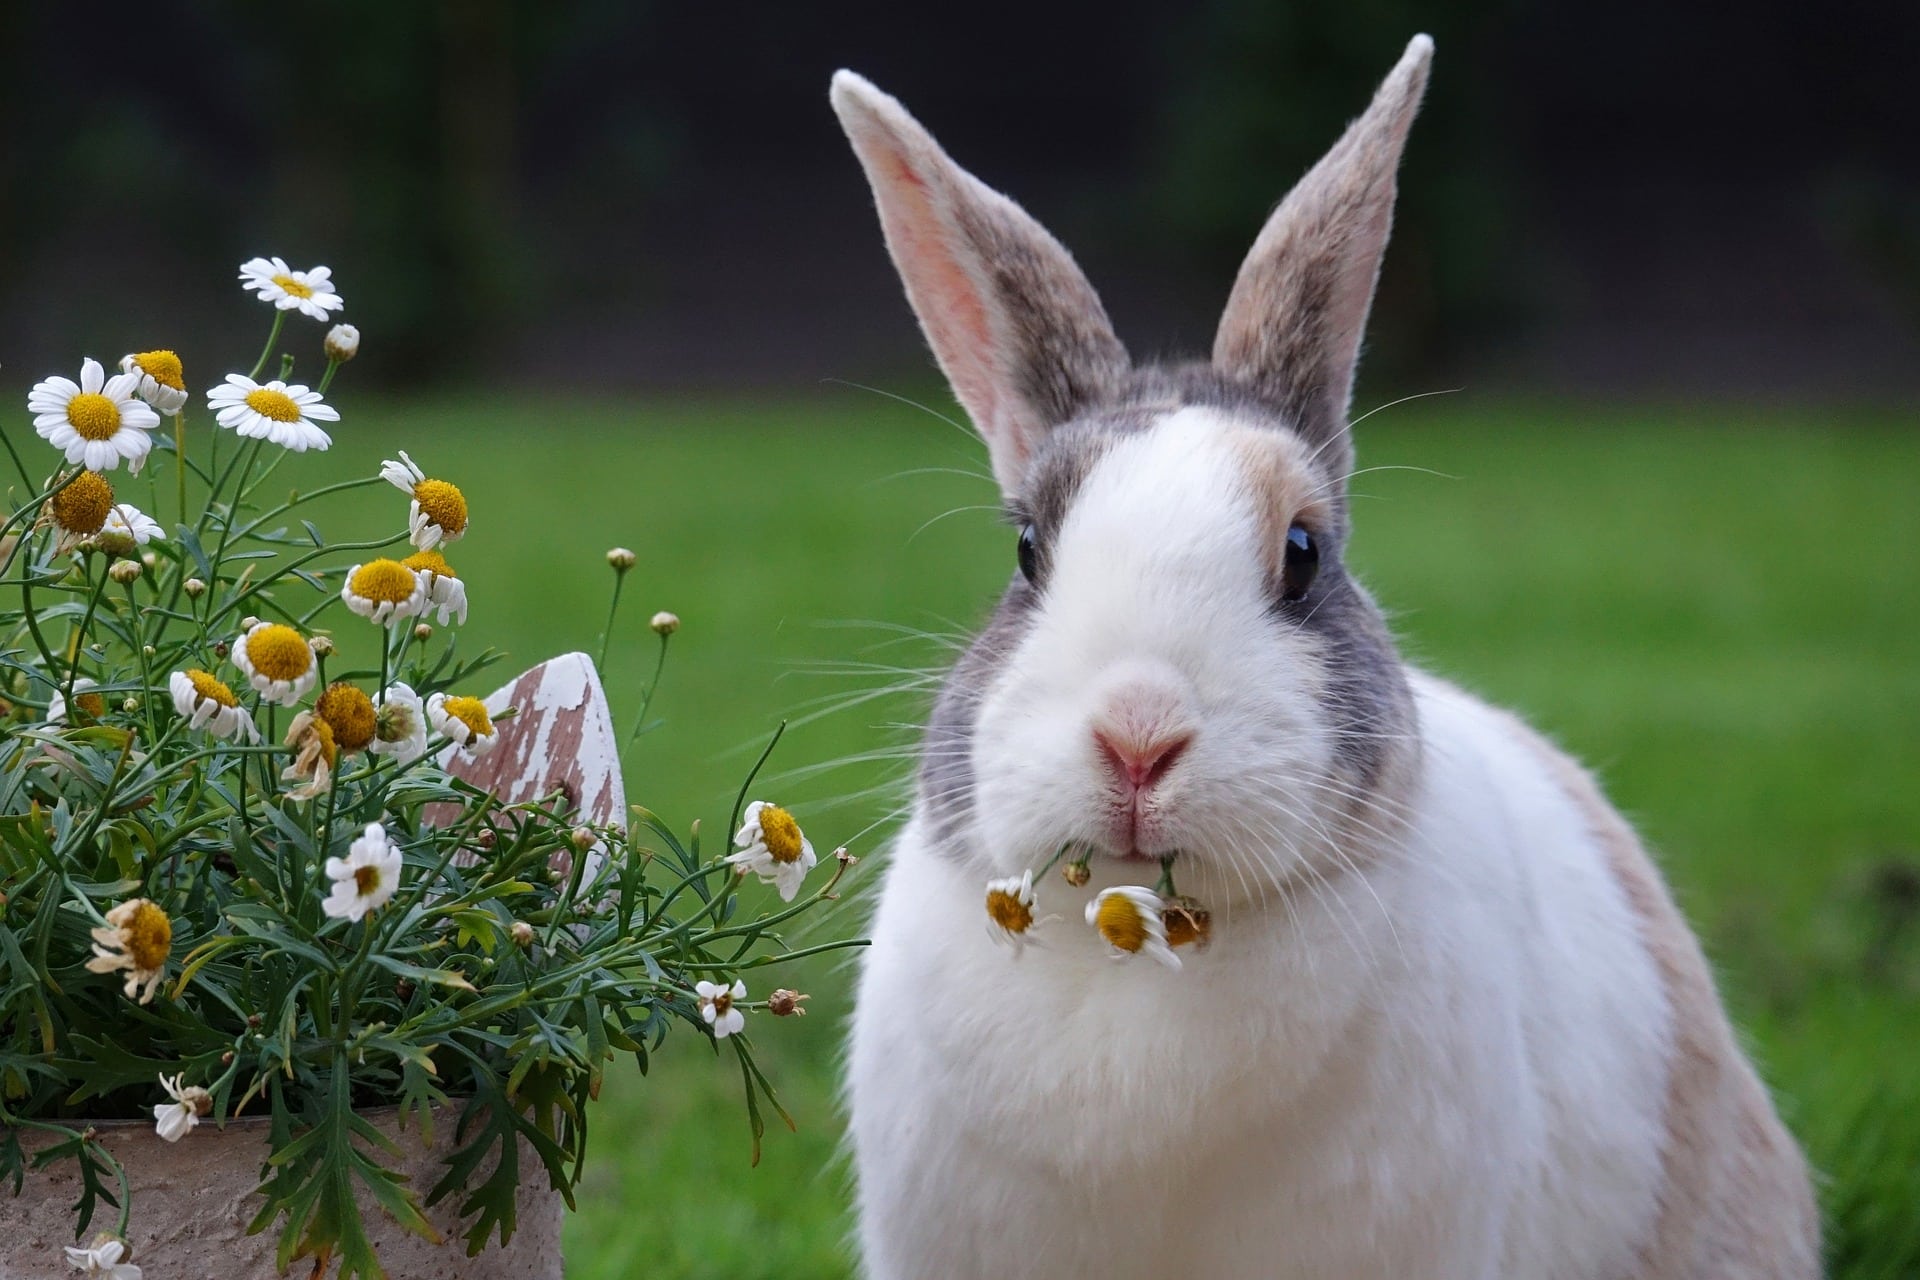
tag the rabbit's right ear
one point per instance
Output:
(1017, 329)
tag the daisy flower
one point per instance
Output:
(309, 292)
(174, 1120)
(126, 529)
(138, 938)
(772, 846)
(79, 509)
(90, 704)
(278, 662)
(365, 878)
(314, 755)
(1130, 919)
(439, 512)
(399, 725)
(162, 380)
(206, 703)
(272, 411)
(716, 1007)
(1010, 909)
(97, 421)
(384, 591)
(465, 721)
(103, 1260)
(349, 713)
(445, 591)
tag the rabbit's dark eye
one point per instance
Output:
(1026, 552)
(1301, 564)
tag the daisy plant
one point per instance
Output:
(241, 873)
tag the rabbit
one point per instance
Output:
(1446, 1020)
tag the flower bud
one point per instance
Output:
(148, 650)
(522, 934)
(485, 839)
(786, 1004)
(249, 622)
(149, 559)
(194, 588)
(125, 571)
(343, 343)
(665, 623)
(583, 838)
(322, 646)
(221, 648)
(422, 631)
(1077, 873)
(130, 704)
(621, 559)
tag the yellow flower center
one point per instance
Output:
(366, 880)
(1120, 923)
(780, 833)
(84, 504)
(1006, 910)
(430, 562)
(293, 288)
(384, 582)
(149, 936)
(443, 503)
(93, 415)
(208, 689)
(472, 713)
(277, 405)
(349, 713)
(329, 749)
(93, 704)
(278, 652)
(163, 367)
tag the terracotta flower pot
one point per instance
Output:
(193, 1199)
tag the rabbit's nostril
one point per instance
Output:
(1140, 763)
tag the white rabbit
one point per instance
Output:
(1449, 1022)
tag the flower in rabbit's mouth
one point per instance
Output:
(105, 1259)
(278, 662)
(439, 511)
(385, 591)
(97, 421)
(445, 591)
(138, 939)
(1131, 920)
(772, 846)
(399, 725)
(365, 878)
(174, 1120)
(206, 703)
(716, 1006)
(1010, 904)
(163, 382)
(309, 292)
(465, 721)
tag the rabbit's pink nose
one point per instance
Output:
(1138, 763)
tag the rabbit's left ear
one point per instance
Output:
(1293, 323)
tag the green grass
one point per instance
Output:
(1715, 608)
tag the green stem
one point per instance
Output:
(146, 673)
(653, 686)
(1165, 887)
(606, 634)
(180, 461)
(266, 352)
(77, 645)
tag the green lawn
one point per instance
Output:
(1716, 608)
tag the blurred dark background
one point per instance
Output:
(1629, 198)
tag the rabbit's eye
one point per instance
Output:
(1302, 562)
(1027, 553)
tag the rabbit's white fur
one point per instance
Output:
(1448, 1025)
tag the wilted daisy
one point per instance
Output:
(207, 703)
(79, 509)
(350, 713)
(439, 511)
(365, 878)
(445, 591)
(97, 421)
(1010, 909)
(309, 292)
(163, 382)
(89, 704)
(772, 846)
(385, 591)
(314, 755)
(1187, 922)
(278, 662)
(103, 1259)
(1129, 918)
(272, 411)
(716, 1006)
(399, 725)
(465, 721)
(126, 529)
(138, 939)
(174, 1120)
